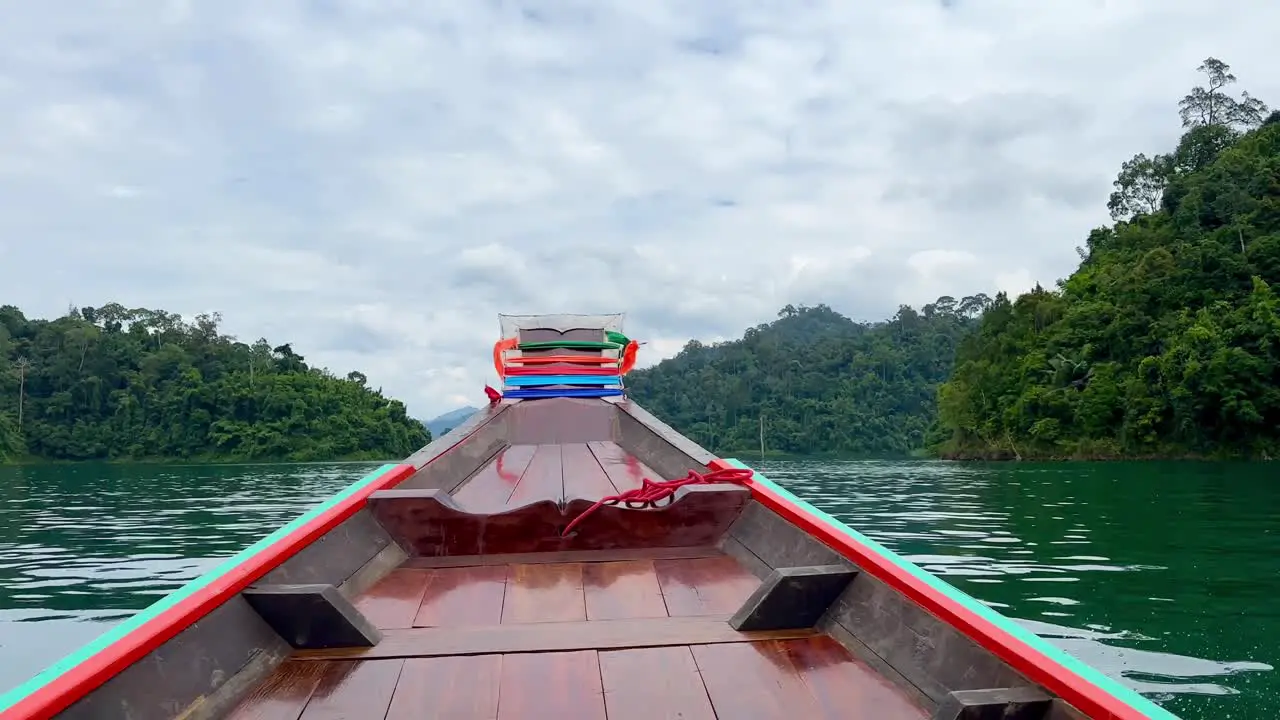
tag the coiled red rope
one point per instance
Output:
(651, 492)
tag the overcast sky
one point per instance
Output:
(374, 180)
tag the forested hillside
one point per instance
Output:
(821, 382)
(114, 383)
(1166, 340)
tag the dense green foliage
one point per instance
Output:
(1166, 340)
(821, 382)
(114, 383)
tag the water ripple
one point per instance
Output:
(82, 547)
(1057, 546)
(1089, 562)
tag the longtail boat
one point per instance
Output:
(564, 554)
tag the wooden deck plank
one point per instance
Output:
(283, 695)
(544, 593)
(622, 468)
(551, 637)
(490, 488)
(393, 601)
(583, 476)
(448, 688)
(542, 480)
(845, 687)
(755, 681)
(353, 690)
(563, 556)
(563, 685)
(462, 596)
(620, 590)
(659, 683)
(704, 586)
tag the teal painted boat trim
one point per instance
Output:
(1085, 671)
(226, 567)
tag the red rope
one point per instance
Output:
(651, 491)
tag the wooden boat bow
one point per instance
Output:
(564, 554)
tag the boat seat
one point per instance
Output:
(1021, 703)
(312, 616)
(431, 523)
(793, 597)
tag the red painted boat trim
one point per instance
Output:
(79, 681)
(559, 369)
(575, 359)
(1058, 679)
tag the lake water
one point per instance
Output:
(1166, 576)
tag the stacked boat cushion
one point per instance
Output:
(565, 367)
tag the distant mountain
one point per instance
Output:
(813, 382)
(450, 420)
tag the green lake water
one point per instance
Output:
(1163, 575)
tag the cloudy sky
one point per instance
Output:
(373, 180)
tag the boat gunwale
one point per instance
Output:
(90, 666)
(93, 664)
(1088, 689)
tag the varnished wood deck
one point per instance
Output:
(522, 474)
(808, 678)
(635, 634)
(649, 640)
(518, 593)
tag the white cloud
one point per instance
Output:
(373, 180)
(1015, 282)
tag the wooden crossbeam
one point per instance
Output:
(552, 636)
(1020, 703)
(565, 556)
(311, 616)
(793, 597)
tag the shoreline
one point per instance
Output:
(38, 461)
(990, 455)
(1005, 456)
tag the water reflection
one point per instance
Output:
(127, 534)
(1157, 674)
(1162, 575)
(84, 546)
(1143, 571)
